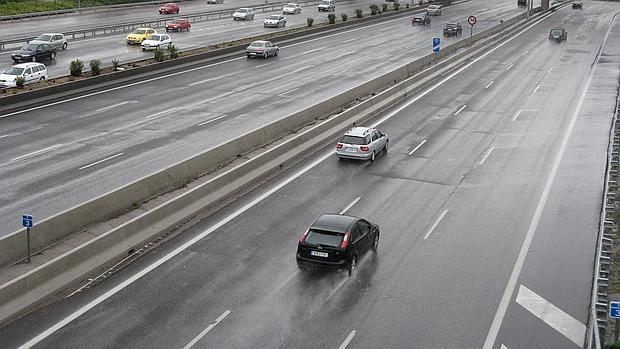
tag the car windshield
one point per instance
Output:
(325, 238)
(14, 71)
(155, 37)
(139, 31)
(30, 47)
(432, 7)
(291, 5)
(274, 17)
(324, 2)
(556, 32)
(43, 37)
(257, 44)
(169, 5)
(242, 10)
(353, 140)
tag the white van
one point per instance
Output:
(31, 72)
(327, 5)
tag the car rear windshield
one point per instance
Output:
(155, 37)
(325, 2)
(276, 17)
(139, 31)
(14, 71)
(30, 47)
(43, 37)
(556, 32)
(256, 44)
(354, 140)
(242, 10)
(324, 238)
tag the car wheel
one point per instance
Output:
(42, 78)
(283, 24)
(353, 265)
(375, 243)
(33, 58)
(265, 55)
(249, 56)
(372, 156)
(276, 53)
(64, 46)
(52, 55)
(385, 147)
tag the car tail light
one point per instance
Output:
(345, 240)
(339, 145)
(304, 235)
(364, 148)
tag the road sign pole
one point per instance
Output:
(28, 242)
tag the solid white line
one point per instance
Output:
(347, 340)
(38, 152)
(536, 88)
(486, 156)
(112, 106)
(303, 68)
(510, 66)
(350, 205)
(100, 161)
(206, 330)
(287, 92)
(460, 110)
(552, 315)
(430, 231)
(212, 120)
(205, 80)
(161, 113)
(329, 154)
(514, 276)
(517, 115)
(418, 147)
(489, 85)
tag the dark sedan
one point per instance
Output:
(34, 53)
(452, 29)
(336, 242)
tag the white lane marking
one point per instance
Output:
(350, 205)
(418, 147)
(460, 110)
(517, 115)
(303, 68)
(263, 65)
(3, 136)
(510, 66)
(350, 40)
(552, 315)
(305, 53)
(345, 54)
(100, 161)
(205, 80)
(514, 276)
(341, 72)
(489, 84)
(112, 106)
(526, 52)
(347, 340)
(430, 231)
(536, 88)
(287, 92)
(212, 120)
(486, 155)
(206, 330)
(67, 320)
(161, 113)
(38, 152)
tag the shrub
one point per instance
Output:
(359, 13)
(331, 18)
(374, 9)
(310, 20)
(397, 6)
(159, 55)
(115, 64)
(344, 17)
(407, 6)
(174, 51)
(76, 67)
(95, 67)
(384, 7)
(20, 82)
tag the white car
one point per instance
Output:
(31, 72)
(56, 40)
(433, 10)
(275, 21)
(291, 9)
(244, 13)
(156, 41)
(327, 5)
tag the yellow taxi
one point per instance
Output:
(139, 35)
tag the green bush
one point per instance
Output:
(397, 6)
(344, 17)
(331, 18)
(20, 82)
(374, 9)
(359, 13)
(115, 64)
(76, 67)
(613, 346)
(95, 67)
(159, 55)
(384, 7)
(310, 20)
(174, 52)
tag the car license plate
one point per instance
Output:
(318, 254)
(350, 149)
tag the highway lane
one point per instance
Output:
(50, 157)
(453, 217)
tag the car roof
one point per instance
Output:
(50, 34)
(359, 131)
(259, 42)
(333, 222)
(145, 28)
(29, 64)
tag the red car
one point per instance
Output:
(178, 25)
(169, 8)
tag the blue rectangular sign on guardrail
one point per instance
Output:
(27, 220)
(436, 42)
(614, 310)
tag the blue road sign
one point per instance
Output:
(27, 220)
(614, 310)
(436, 43)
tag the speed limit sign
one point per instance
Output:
(472, 20)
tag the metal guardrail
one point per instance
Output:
(151, 23)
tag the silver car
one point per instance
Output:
(275, 21)
(434, 10)
(362, 143)
(262, 48)
(56, 40)
(244, 13)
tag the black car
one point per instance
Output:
(336, 242)
(34, 52)
(578, 5)
(521, 2)
(452, 29)
(558, 34)
(422, 19)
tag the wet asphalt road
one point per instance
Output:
(47, 155)
(517, 171)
